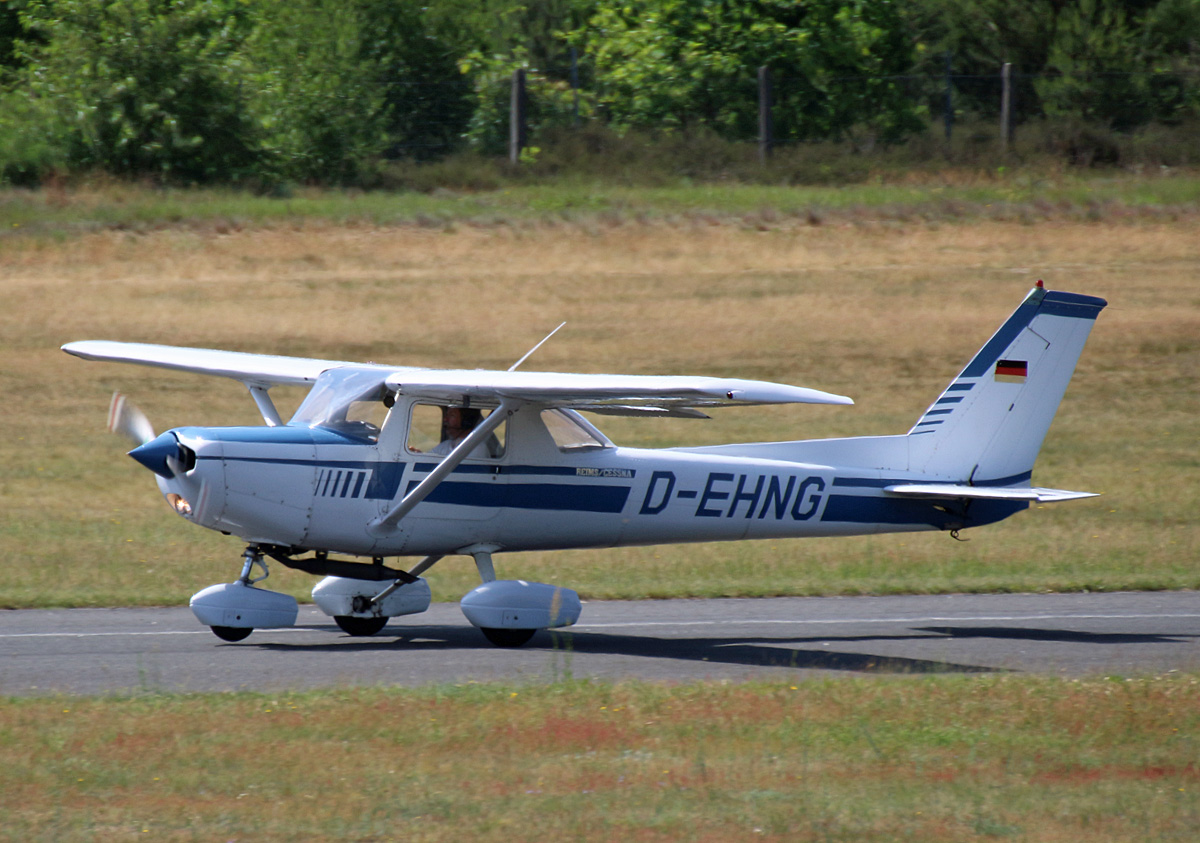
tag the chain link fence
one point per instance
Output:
(776, 109)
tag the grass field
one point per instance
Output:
(930, 760)
(881, 294)
(882, 310)
(948, 195)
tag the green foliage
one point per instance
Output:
(1103, 62)
(1098, 52)
(532, 36)
(315, 92)
(549, 102)
(677, 64)
(27, 151)
(532, 32)
(225, 90)
(137, 87)
(320, 91)
(11, 32)
(428, 102)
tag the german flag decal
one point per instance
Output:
(1011, 371)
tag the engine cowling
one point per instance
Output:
(516, 604)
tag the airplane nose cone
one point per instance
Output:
(154, 454)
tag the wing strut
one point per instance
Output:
(387, 523)
(265, 405)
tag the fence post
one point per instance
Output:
(516, 117)
(766, 137)
(949, 107)
(1005, 107)
(574, 88)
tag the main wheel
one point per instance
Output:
(360, 626)
(232, 633)
(507, 637)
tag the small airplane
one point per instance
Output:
(384, 461)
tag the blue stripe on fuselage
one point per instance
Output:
(556, 497)
(343, 479)
(868, 509)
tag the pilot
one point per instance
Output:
(457, 423)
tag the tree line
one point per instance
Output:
(321, 90)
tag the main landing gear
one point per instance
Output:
(233, 634)
(509, 612)
(359, 627)
(361, 598)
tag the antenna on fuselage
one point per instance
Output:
(535, 348)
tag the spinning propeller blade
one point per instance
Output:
(162, 454)
(126, 419)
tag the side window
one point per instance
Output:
(570, 433)
(436, 429)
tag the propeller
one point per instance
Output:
(163, 454)
(127, 420)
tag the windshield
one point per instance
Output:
(347, 400)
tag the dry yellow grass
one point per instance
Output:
(886, 313)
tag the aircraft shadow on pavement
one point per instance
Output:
(1063, 635)
(757, 651)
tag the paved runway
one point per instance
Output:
(97, 651)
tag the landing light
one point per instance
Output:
(180, 504)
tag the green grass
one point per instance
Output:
(951, 198)
(932, 759)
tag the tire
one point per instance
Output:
(507, 637)
(360, 627)
(232, 633)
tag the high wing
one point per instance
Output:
(615, 393)
(260, 369)
(669, 395)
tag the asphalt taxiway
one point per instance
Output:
(117, 651)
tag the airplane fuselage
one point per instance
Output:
(310, 488)
(383, 461)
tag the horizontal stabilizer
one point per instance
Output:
(993, 493)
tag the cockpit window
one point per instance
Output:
(349, 401)
(571, 432)
(437, 429)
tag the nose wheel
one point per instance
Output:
(251, 558)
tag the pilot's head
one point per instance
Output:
(459, 421)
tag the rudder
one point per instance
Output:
(988, 425)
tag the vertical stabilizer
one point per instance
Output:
(987, 426)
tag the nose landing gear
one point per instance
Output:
(234, 610)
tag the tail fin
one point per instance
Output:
(987, 427)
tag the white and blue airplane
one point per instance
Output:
(384, 461)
